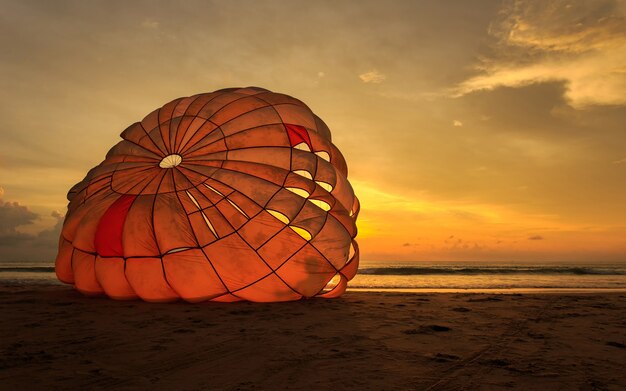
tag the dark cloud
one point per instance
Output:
(13, 215)
(525, 110)
(50, 237)
(536, 237)
(16, 246)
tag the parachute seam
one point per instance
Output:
(194, 234)
(241, 97)
(156, 241)
(182, 147)
(236, 231)
(168, 117)
(124, 258)
(136, 184)
(280, 187)
(187, 114)
(140, 146)
(262, 209)
(147, 134)
(256, 127)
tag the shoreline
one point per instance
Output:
(490, 290)
(12, 282)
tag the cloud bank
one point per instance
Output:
(583, 44)
(17, 246)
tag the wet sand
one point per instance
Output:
(51, 337)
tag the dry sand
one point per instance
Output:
(54, 338)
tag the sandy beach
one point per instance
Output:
(54, 338)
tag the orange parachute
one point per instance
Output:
(237, 194)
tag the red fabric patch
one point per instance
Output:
(298, 134)
(108, 239)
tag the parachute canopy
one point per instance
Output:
(238, 194)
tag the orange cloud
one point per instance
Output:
(372, 77)
(394, 226)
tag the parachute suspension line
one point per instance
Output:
(206, 219)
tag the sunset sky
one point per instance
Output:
(482, 130)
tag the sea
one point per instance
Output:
(412, 276)
(489, 276)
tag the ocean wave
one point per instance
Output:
(27, 269)
(487, 270)
(487, 287)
